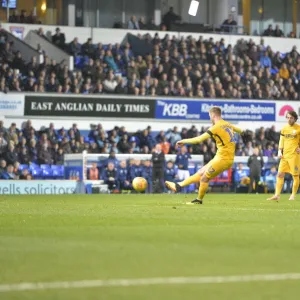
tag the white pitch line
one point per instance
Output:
(145, 282)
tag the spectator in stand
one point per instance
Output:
(284, 72)
(133, 23)
(59, 39)
(110, 83)
(24, 157)
(88, 49)
(14, 18)
(123, 176)
(270, 179)
(142, 24)
(148, 175)
(9, 174)
(278, 32)
(11, 156)
(3, 145)
(93, 172)
(136, 169)
(25, 175)
(109, 60)
(241, 179)
(265, 60)
(124, 145)
(170, 18)
(165, 145)
(229, 25)
(2, 167)
(110, 177)
(170, 172)
(59, 157)
(151, 25)
(269, 31)
(182, 161)
(74, 47)
(44, 155)
(173, 136)
(23, 16)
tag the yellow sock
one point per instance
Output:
(295, 185)
(192, 179)
(202, 190)
(279, 185)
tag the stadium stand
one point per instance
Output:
(153, 66)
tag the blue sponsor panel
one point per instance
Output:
(199, 110)
(73, 169)
(39, 187)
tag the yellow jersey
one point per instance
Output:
(289, 140)
(223, 133)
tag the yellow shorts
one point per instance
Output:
(217, 166)
(290, 165)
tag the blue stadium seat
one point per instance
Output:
(34, 166)
(23, 167)
(57, 172)
(47, 173)
(45, 167)
(36, 173)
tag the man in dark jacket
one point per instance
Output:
(59, 39)
(170, 18)
(45, 155)
(11, 156)
(255, 163)
(110, 177)
(158, 162)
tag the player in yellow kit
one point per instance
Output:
(223, 133)
(289, 154)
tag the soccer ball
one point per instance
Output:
(139, 184)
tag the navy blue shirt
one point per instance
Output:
(123, 174)
(136, 171)
(183, 159)
(147, 173)
(170, 174)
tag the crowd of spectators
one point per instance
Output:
(23, 18)
(186, 67)
(48, 145)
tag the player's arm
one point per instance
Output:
(237, 129)
(246, 136)
(196, 140)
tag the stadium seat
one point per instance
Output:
(23, 167)
(57, 172)
(47, 173)
(33, 166)
(36, 173)
(45, 167)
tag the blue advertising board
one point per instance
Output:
(199, 110)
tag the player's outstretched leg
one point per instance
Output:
(202, 191)
(176, 187)
(279, 185)
(295, 187)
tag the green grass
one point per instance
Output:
(70, 238)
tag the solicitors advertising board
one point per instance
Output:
(89, 107)
(199, 110)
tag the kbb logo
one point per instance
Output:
(175, 110)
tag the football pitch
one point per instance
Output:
(149, 247)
